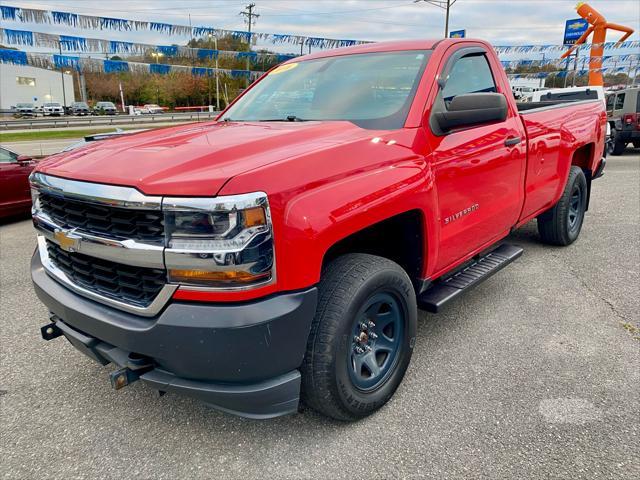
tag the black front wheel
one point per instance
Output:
(561, 224)
(361, 338)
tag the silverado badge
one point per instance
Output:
(461, 213)
(68, 241)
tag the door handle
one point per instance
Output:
(510, 141)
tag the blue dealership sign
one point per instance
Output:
(574, 29)
(458, 34)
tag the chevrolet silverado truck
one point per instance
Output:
(278, 256)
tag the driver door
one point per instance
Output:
(478, 169)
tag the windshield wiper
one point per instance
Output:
(288, 118)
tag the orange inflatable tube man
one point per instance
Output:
(598, 26)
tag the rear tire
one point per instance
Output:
(561, 224)
(616, 145)
(351, 370)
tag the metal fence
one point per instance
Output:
(65, 122)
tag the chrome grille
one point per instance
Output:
(141, 225)
(135, 285)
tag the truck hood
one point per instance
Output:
(196, 159)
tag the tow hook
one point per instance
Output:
(123, 377)
(136, 366)
(49, 332)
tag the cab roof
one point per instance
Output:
(371, 48)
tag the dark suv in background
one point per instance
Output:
(623, 114)
(79, 108)
(105, 108)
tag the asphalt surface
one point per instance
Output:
(40, 148)
(534, 374)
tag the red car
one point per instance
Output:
(15, 195)
(282, 252)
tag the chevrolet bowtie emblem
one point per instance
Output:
(68, 241)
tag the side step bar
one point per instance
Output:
(436, 296)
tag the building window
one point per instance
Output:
(28, 81)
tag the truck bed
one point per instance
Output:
(552, 132)
(525, 107)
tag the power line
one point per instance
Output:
(445, 5)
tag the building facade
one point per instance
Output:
(24, 84)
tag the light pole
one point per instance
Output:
(215, 40)
(157, 55)
(445, 5)
(64, 93)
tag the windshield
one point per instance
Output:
(372, 90)
(104, 104)
(25, 105)
(80, 105)
(51, 104)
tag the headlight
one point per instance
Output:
(223, 242)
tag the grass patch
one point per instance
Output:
(51, 134)
(632, 329)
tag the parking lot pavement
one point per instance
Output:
(534, 374)
(40, 148)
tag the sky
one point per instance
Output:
(501, 22)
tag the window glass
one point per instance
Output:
(28, 81)
(470, 74)
(619, 101)
(372, 90)
(6, 156)
(610, 100)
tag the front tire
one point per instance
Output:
(361, 338)
(561, 224)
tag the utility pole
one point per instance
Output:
(64, 93)
(446, 6)
(575, 68)
(250, 17)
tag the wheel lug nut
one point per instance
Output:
(363, 326)
(367, 348)
(359, 349)
(356, 339)
(370, 324)
(372, 336)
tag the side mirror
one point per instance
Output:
(473, 109)
(24, 160)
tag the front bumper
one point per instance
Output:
(241, 358)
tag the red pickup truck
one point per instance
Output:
(281, 253)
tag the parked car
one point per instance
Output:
(52, 109)
(284, 249)
(623, 114)
(15, 194)
(79, 108)
(524, 94)
(152, 108)
(26, 109)
(105, 108)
